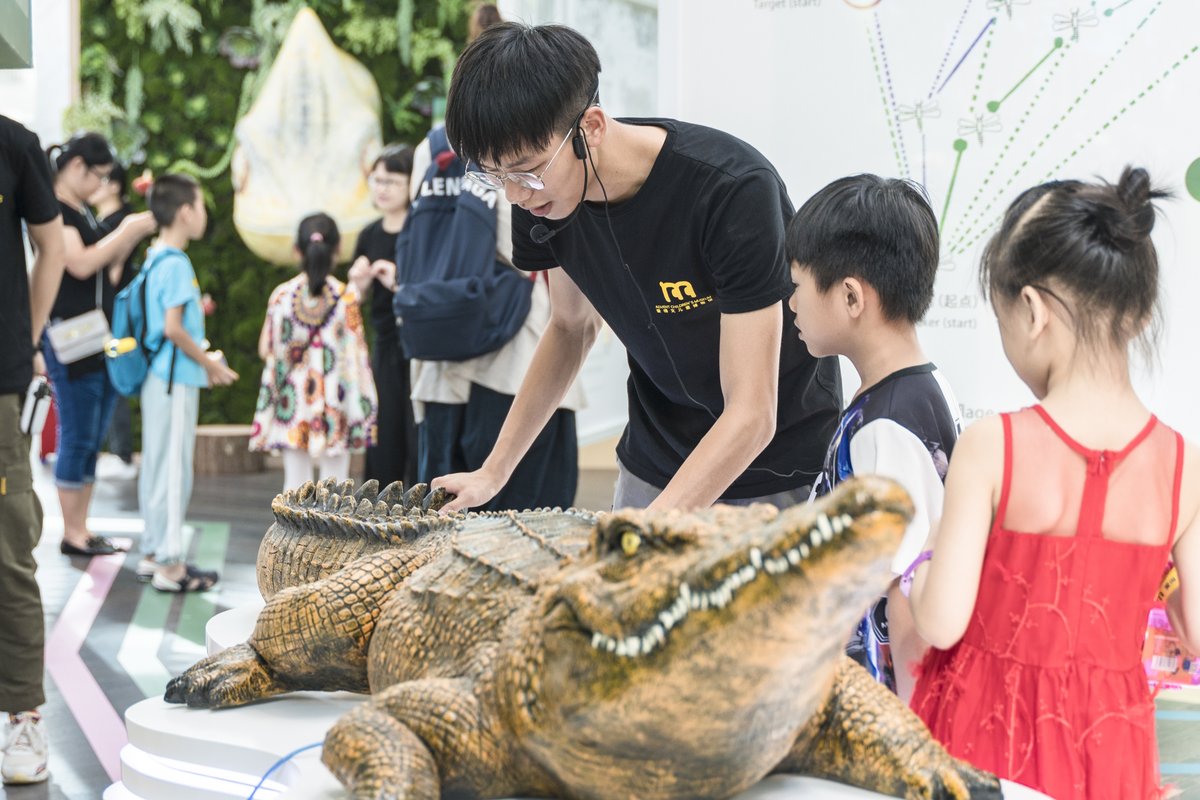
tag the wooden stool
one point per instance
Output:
(224, 450)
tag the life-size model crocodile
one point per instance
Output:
(563, 654)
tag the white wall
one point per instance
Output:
(825, 89)
(37, 97)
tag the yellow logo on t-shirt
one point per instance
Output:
(679, 296)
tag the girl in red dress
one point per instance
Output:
(1059, 519)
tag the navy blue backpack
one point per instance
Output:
(455, 300)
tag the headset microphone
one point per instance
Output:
(543, 233)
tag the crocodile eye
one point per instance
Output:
(630, 542)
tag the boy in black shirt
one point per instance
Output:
(864, 255)
(673, 235)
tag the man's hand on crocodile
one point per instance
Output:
(471, 489)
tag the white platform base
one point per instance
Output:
(177, 753)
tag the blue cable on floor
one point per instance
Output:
(280, 763)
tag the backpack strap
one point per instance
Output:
(150, 356)
(438, 142)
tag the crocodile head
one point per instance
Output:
(683, 635)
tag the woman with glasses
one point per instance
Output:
(95, 260)
(394, 456)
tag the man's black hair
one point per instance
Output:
(879, 230)
(168, 194)
(517, 88)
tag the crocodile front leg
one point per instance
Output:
(419, 740)
(310, 637)
(865, 736)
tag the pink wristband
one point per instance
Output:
(907, 578)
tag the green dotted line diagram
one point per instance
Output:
(1033, 103)
(983, 60)
(957, 245)
(887, 112)
(1107, 124)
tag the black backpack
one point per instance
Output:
(454, 299)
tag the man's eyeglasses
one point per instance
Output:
(526, 180)
(103, 176)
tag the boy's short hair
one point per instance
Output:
(879, 230)
(517, 88)
(168, 194)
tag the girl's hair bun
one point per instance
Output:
(1125, 212)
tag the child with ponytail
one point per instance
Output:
(1059, 518)
(317, 399)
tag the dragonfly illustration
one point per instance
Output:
(1007, 5)
(979, 125)
(919, 112)
(1075, 20)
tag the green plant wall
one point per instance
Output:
(166, 81)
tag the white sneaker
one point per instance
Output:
(25, 750)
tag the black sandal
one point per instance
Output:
(96, 546)
(193, 580)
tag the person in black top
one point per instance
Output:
(394, 455)
(95, 260)
(111, 202)
(26, 194)
(671, 233)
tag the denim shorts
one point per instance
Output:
(85, 405)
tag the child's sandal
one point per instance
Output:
(193, 580)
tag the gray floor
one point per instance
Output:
(243, 502)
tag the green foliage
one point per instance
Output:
(154, 81)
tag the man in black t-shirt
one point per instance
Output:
(26, 194)
(671, 233)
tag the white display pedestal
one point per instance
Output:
(177, 753)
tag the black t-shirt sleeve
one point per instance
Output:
(35, 200)
(528, 254)
(364, 238)
(744, 242)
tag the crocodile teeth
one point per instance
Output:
(747, 572)
(838, 524)
(793, 556)
(597, 639)
(622, 651)
(756, 557)
(815, 537)
(804, 551)
(824, 527)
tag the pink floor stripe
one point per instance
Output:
(100, 722)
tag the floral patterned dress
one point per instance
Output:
(1046, 687)
(317, 393)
